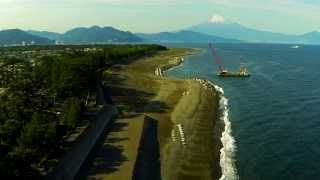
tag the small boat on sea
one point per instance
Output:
(243, 72)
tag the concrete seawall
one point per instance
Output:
(70, 164)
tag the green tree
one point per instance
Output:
(72, 112)
(39, 135)
(32, 134)
(9, 131)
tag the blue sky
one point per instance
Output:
(288, 16)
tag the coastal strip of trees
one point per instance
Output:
(42, 100)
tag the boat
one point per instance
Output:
(243, 72)
(295, 47)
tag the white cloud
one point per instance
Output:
(92, 3)
(286, 11)
(292, 7)
(216, 19)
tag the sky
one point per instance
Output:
(286, 16)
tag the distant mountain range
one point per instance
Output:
(94, 34)
(16, 36)
(98, 34)
(238, 31)
(81, 35)
(45, 34)
(183, 36)
(219, 32)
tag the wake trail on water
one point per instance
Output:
(227, 152)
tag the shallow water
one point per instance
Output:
(275, 114)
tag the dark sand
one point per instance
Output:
(168, 102)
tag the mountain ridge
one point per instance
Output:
(244, 33)
(222, 31)
(97, 34)
(20, 37)
(45, 34)
(183, 36)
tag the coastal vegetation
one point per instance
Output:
(43, 99)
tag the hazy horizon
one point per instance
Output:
(286, 16)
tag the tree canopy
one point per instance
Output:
(31, 130)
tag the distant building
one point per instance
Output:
(91, 49)
(58, 42)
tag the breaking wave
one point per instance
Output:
(227, 152)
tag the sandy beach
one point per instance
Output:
(183, 112)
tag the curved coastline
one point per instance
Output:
(227, 147)
(190, 130)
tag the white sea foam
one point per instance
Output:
(227, 152)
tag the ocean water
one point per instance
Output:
(275, 114)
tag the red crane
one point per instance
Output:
(223, 72)
(216, 57)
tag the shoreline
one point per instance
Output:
(197, 126)
(228, 150)
(222, 129)
(186, 114)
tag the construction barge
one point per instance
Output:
(243, 72)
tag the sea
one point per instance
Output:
(274, 115)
